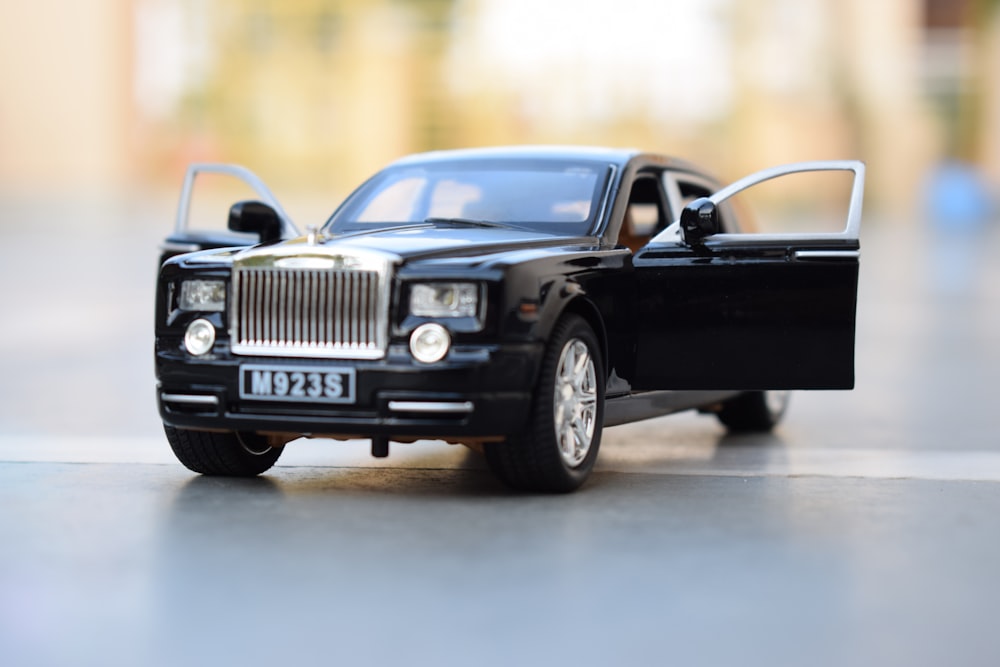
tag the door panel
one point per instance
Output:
(749, 311)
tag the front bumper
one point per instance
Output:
(477, 393)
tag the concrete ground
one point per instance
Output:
(864, 531)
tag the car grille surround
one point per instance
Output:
(290, 306)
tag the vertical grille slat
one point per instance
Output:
(335, 313)
(338, 313)
(352, 337)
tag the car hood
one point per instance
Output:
(425, 241)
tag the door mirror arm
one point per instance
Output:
(699, 220)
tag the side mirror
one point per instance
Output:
(256, 218)
(699, 219)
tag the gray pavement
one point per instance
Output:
(863, 532)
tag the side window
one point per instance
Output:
(811, 202)
(691, 191)
(211, 196)
(645, 214)
(208, 192)
(769, 203)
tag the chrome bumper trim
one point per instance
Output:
(463, 407)
(190, 399)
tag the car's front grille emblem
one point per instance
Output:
(302, 306)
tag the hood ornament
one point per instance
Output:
(312, 235)
(312, 252)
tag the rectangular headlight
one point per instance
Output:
(444, 299)
(203, 295)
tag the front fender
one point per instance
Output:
(561, 295)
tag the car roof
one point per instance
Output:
(619, 156)
(622, 158)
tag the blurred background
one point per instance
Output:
(113, 96)
(105, 102)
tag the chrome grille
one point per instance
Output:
(308, 312)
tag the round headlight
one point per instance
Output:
(199, 337)
(429, 343)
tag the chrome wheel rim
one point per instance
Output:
(575, 402)
(776, 401)
(258, 448)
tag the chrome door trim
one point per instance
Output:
(852, 229)
(807, 255)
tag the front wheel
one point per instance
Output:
(754, 411)
(557, 451)
(227, 454)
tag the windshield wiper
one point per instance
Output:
(468, 222)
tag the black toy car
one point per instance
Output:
(516, 300)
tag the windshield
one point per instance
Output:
(554, 197)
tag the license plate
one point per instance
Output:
(299, 384)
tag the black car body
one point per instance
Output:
(516, 300)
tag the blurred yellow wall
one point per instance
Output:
(65, 94)
(316, 94)
(990, 87)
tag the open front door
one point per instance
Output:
(187, 238)
(748, 311)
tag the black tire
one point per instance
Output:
(226, 454)
(754, 411)
(555, 454)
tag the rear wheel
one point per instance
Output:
(557, 451)
(227, 454)
(754, 411)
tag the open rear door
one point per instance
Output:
(186, 238)
(750, 311)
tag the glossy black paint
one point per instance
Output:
(196, 241)
(495, 366)
(254, 217)
(680, 325)
(699, 219)
(744, 318)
